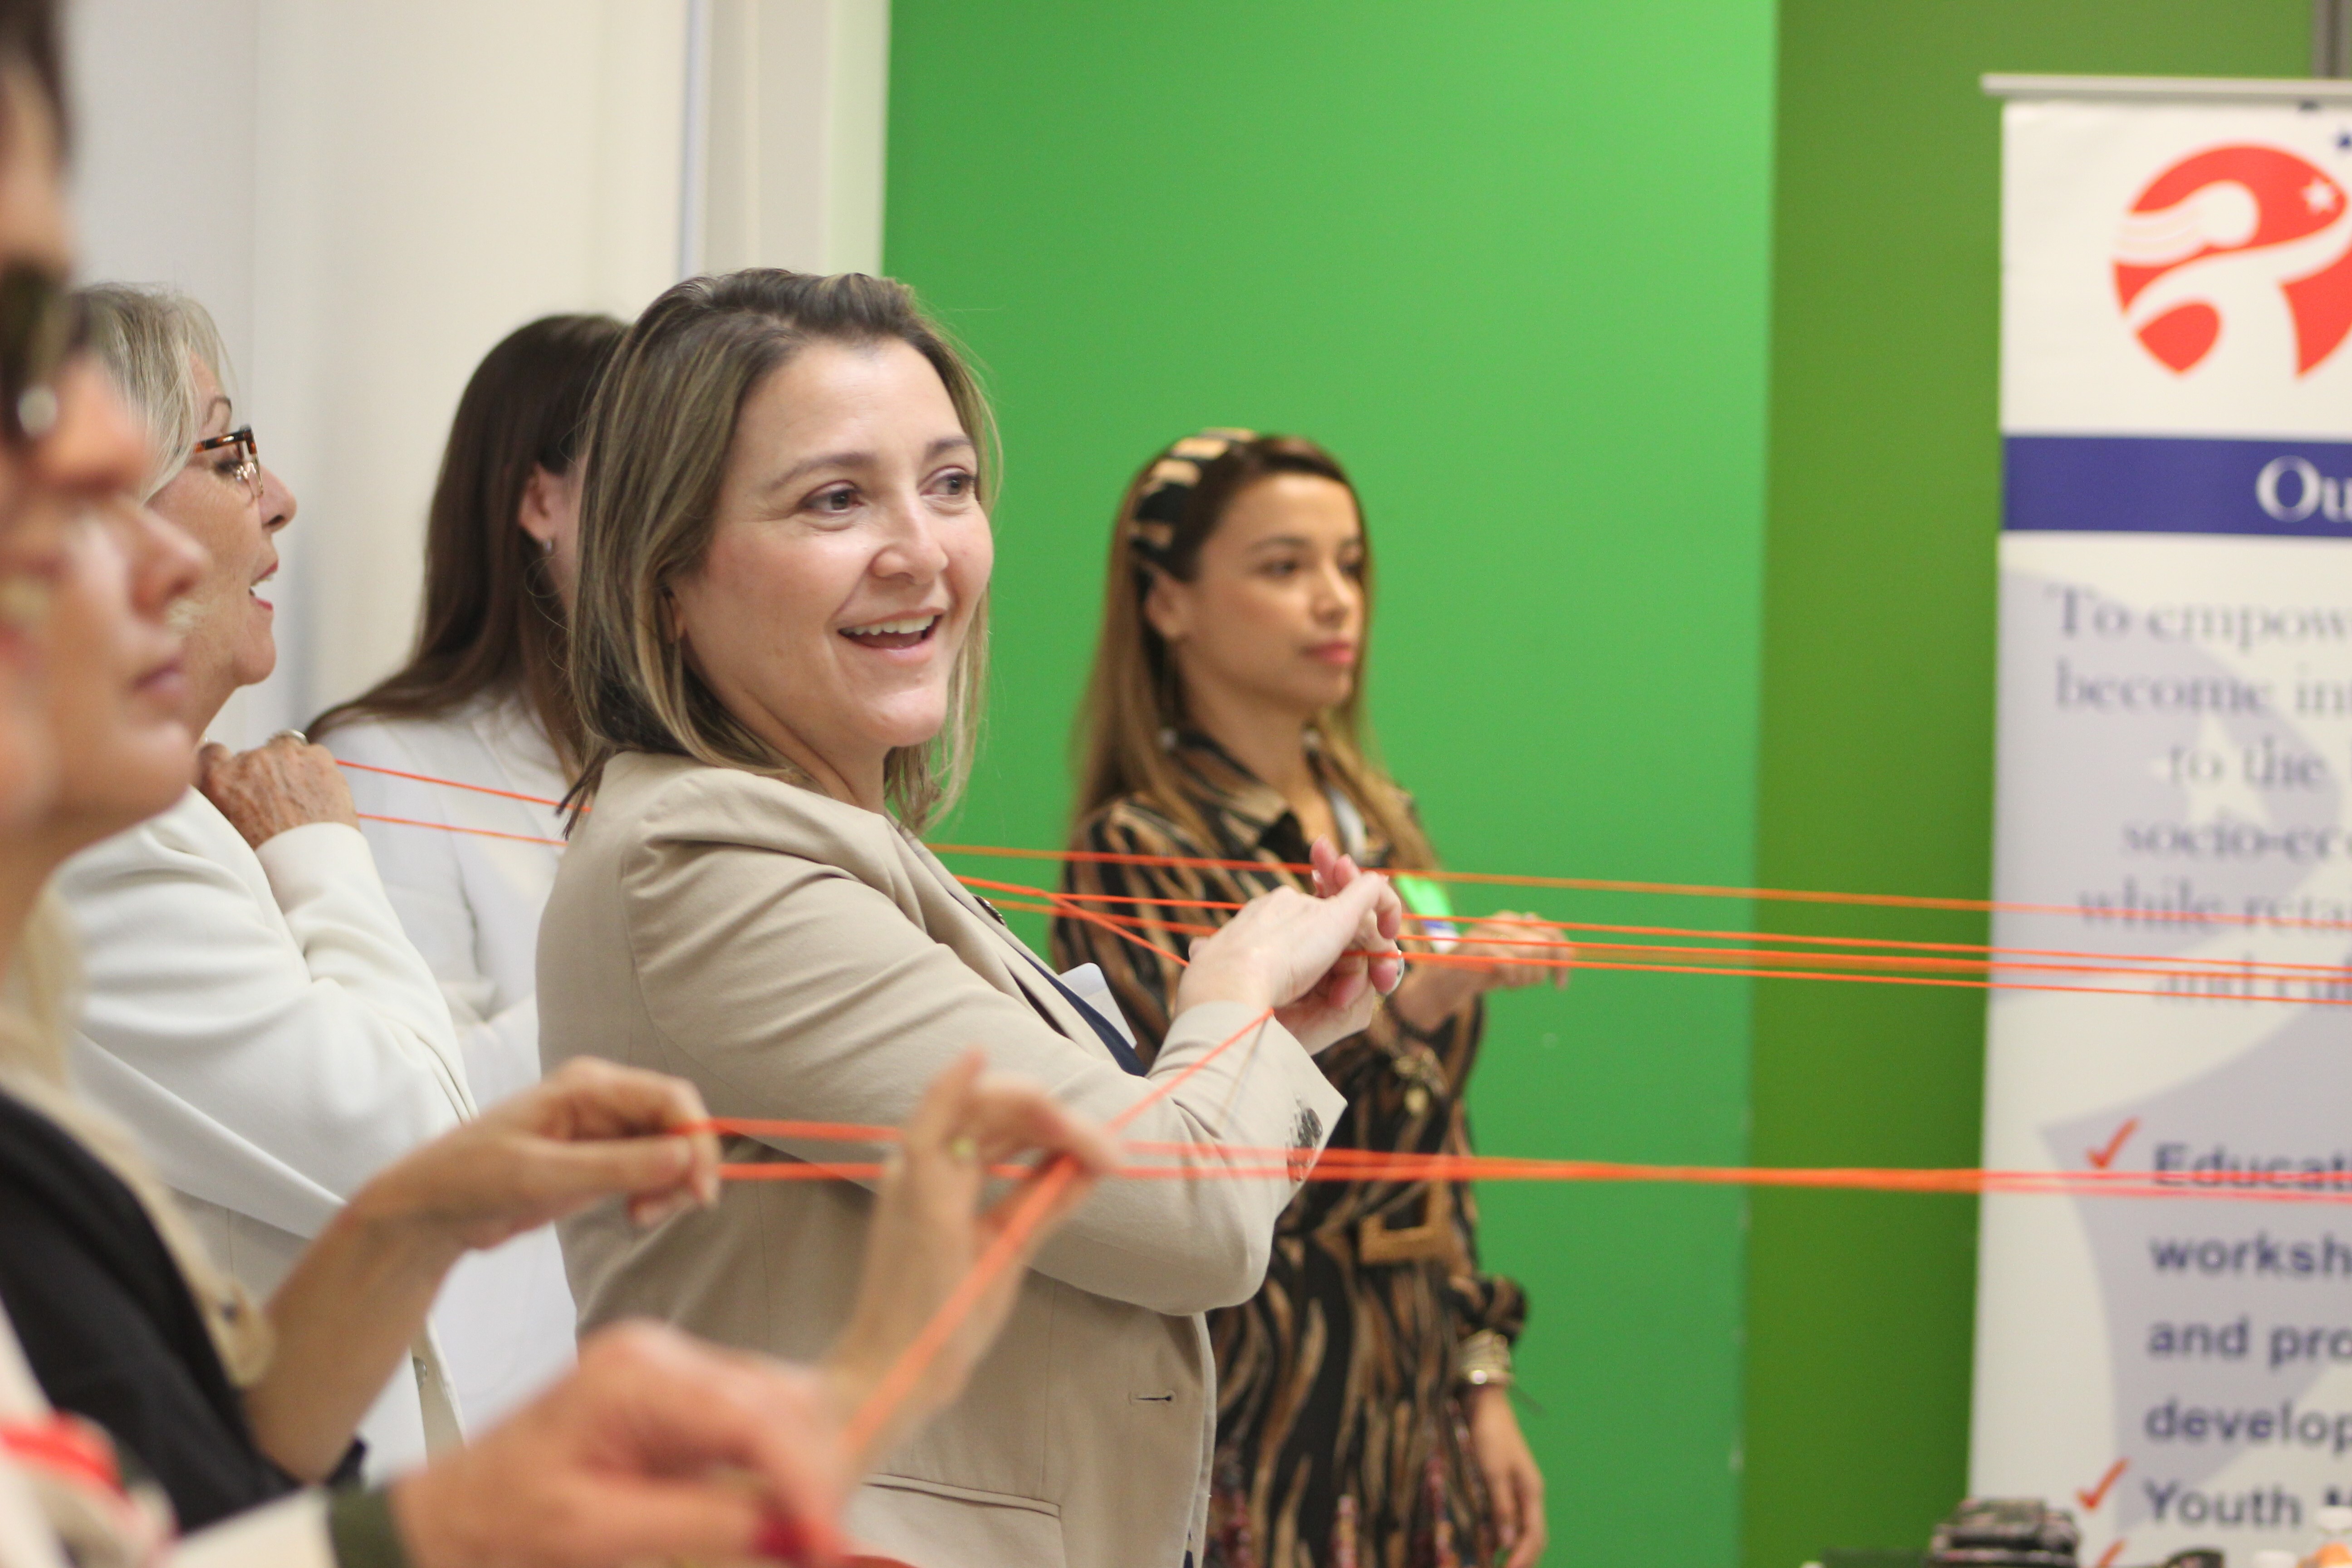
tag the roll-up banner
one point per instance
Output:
(2175, 779)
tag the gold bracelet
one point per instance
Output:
(1484, 1361)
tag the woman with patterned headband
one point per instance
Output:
(1363, 1408)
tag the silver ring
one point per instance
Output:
(298, 738)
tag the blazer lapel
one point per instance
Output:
(1030, 973)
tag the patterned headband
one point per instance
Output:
(1167, 489)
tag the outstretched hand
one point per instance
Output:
(929, 1227)
(1321, 963)
(1506, 952)
(589, 1130)
(1341, 1002)
(346, 1314)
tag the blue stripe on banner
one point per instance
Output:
(2151, 484)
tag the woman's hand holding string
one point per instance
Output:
(659, 1445)
(1505, 951)
(285, 782)
(1322, 964)
(589, 1130)
(344, 1318)
(929, 1227)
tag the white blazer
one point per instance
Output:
(470, 901)
(261, 1022)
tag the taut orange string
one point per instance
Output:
(1499, 879)
(453, 827)
(1899, 901)
(2278, 971)
(1211, 1161)
(451, 783)
(1029, 1207)
(1677, 889)
(1455, 923)
(1414, 1169)
(2118, 963)
(1737, 972)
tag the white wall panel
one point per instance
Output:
(368, 195)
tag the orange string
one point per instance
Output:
(2278, 972)
(1028, 1208)
(2120, 962)
(1225, 1162)
(1498, 879)
(452, 783)
(1678, 889)
(1376, 1165)
(1737, 972)
(453, 827)
(1057, 905)
(1535, 923)
(1575, 883)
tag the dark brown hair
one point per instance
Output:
(657, 443)
(492, 619)
(1135, 696)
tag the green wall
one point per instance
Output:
(1509, 260)
(1875, 770)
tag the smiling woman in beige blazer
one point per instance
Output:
(778, 656)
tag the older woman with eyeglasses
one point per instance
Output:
(255, 1010)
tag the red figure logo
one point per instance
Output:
(2197, 219)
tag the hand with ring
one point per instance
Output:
(929, 1227)
(284, 783)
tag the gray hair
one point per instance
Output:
(146, 336)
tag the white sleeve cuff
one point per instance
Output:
(303, 862)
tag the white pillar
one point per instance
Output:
(797, 107)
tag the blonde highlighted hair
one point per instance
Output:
(1135, 698)
(43, 994)
(658, 435)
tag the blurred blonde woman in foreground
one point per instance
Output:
(656, 1447)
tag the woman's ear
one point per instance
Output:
(1168, 606)
(542, 507)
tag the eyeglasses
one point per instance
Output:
(247, 471)
(42, 325)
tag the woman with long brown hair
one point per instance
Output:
(779, 655)
(1363, 1411)
(483, 700)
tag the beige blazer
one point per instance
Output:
(802, 958)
